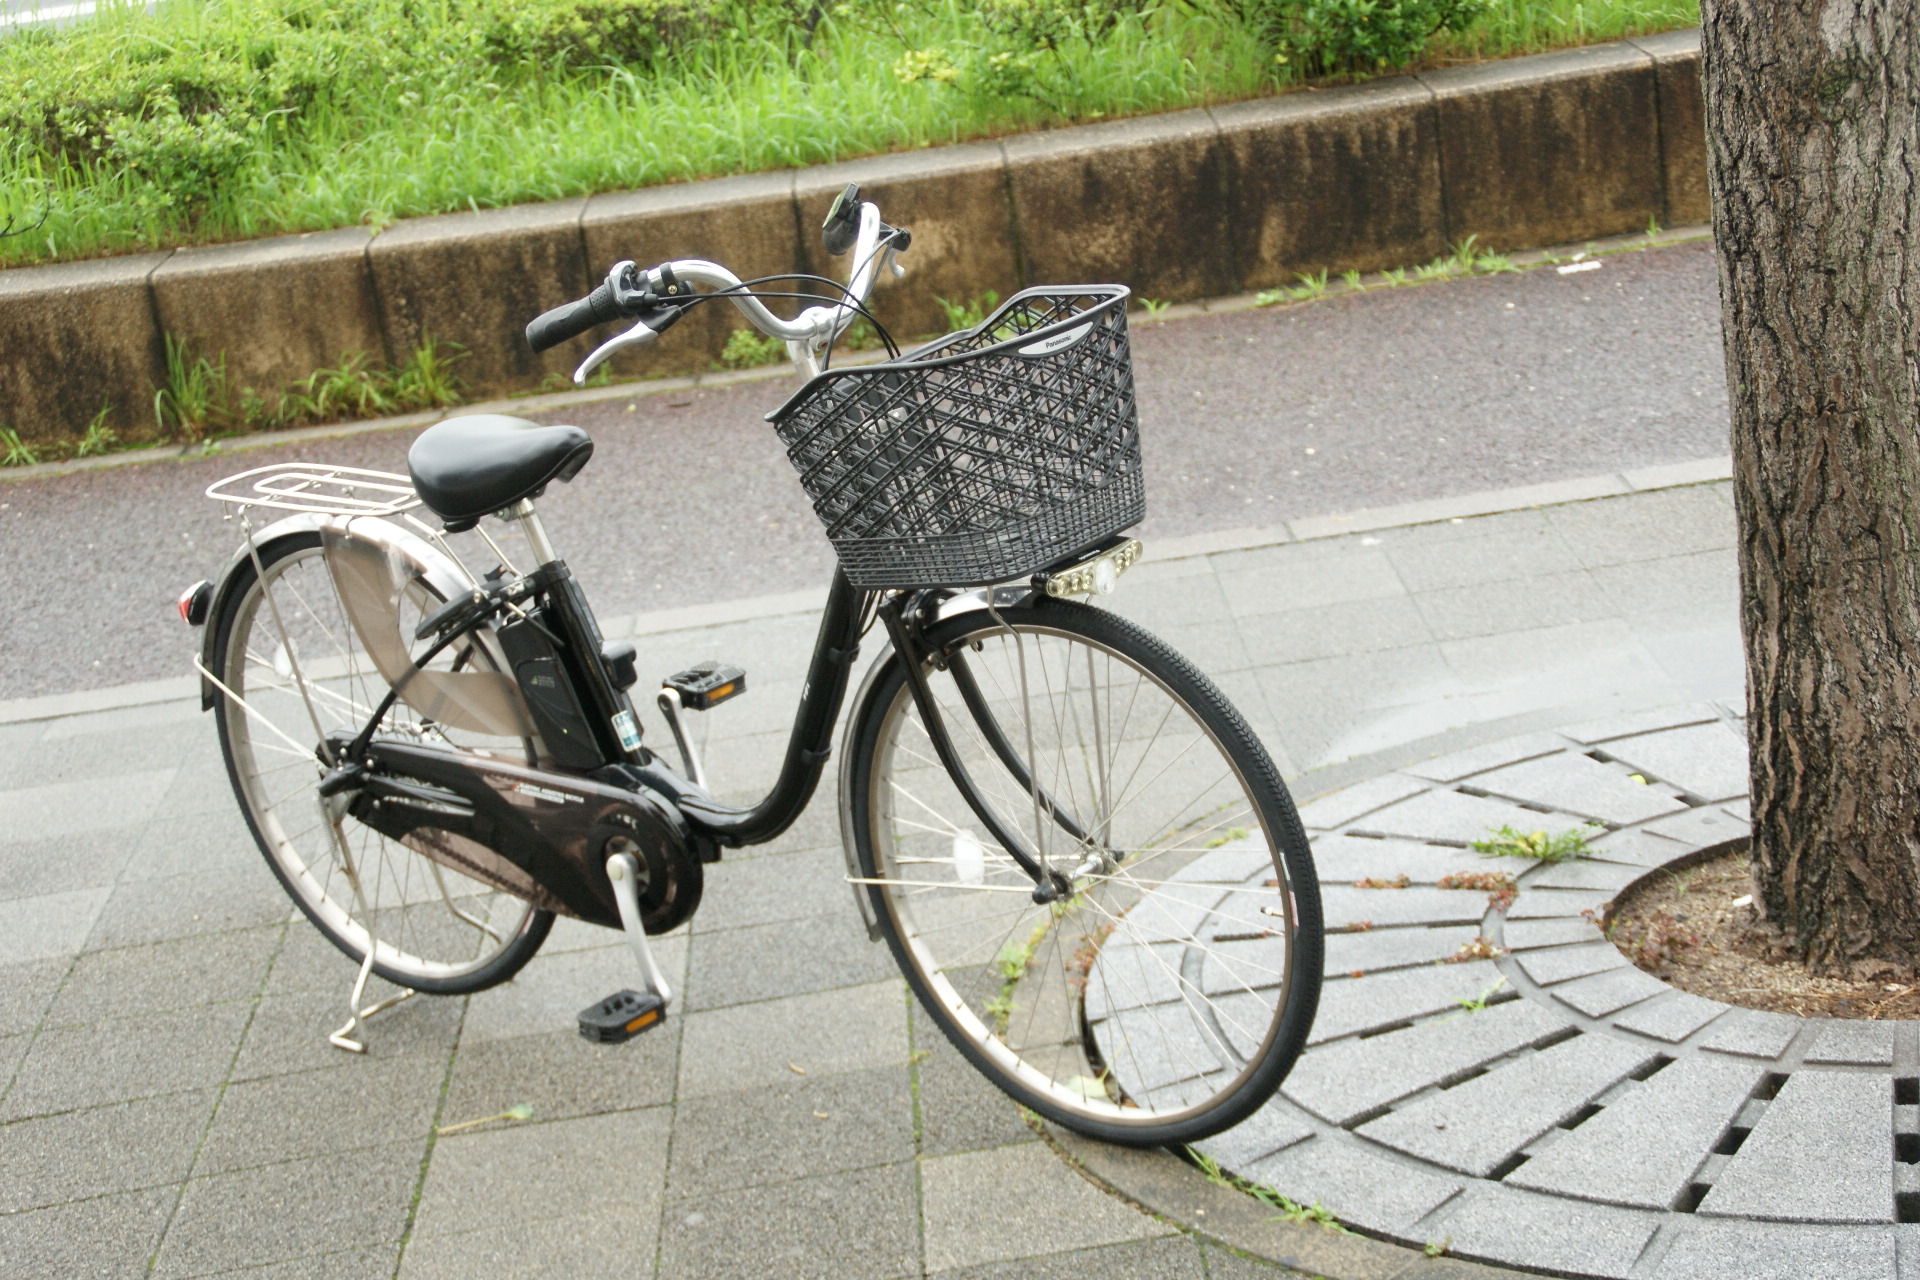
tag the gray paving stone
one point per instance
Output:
(62, 864)
(1280, 585)
(129, 982)
(1455, 765)
(1605, 993)
(605, 1243)
(103, 1151)
(1354, 1184)
(1473, 1127)
(79, 808)
(1820, 1153)
(750, 1046)
(49, 926)
(1710, 825)
(781, 886)
(362, 1102)
(959, 1109)
(110, 1236)
(1343, 806)
(1608, 877)
(762, 962)
(1707, 760)
(1343, 904)
(212, 843)
(561, 1075)
(1347, 858)
(846, 1226)
(145, 1057)
(1453, 815)
(1719, 1250)
(1672, 1018)
(375, 1262)
(1866, 1044)
(286, 1211)
(1174, 1258)
(1525, 935)
(1014, 1202)
(528, 1173)
(835, 1123)
(1545, 904)
(1563, 963)
(1753, 1033)
(1379, 949)
(1640, 848)
(1525, 1229)
(1270, 1129)
(1634, 723)
(1643, 1148)
(289, 1033)
(1347, 1079)
(1349, 1006)
(26, 990)
(1575, 783)
(189, 906)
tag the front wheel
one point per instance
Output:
(1166, 997)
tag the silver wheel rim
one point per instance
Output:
(1154, 992)
(427, 922)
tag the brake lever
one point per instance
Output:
(641, 332)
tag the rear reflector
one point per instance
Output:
(193, 603)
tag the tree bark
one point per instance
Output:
(1813, 121)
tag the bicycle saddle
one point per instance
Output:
(465, 468)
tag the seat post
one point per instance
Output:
(536, 532)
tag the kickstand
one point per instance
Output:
(348, 1037)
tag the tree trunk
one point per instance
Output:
(1813, 120)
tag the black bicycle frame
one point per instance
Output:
(836, 645)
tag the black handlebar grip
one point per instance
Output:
(554, 327)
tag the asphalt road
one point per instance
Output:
(1248, 418)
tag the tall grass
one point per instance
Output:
(388, 144)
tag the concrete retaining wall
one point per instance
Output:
(1541, 150)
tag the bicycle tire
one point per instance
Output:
(1159, 1006)
(520, 929)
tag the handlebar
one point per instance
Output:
(656, 298)
(570, 320)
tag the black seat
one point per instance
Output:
(465, 468)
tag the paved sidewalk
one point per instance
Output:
(170, 1105)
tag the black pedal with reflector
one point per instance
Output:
(622, 1016)
(707, 685)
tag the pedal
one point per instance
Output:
(622, 1016)
(707, 685)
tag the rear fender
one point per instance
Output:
(440, 571)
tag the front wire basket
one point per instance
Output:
(318, 489)
(984, 456)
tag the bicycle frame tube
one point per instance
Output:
(834, 650)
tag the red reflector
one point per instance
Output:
(193, 603)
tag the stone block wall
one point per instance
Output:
(1533, 151)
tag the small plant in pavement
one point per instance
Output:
(1505, 842)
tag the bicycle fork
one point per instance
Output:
(1049, 884)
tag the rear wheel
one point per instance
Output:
(1166, 997)
(433, 928)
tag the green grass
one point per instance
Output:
(364, 111)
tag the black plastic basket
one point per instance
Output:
(983, 456)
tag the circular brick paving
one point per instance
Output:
(1589, 1119)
